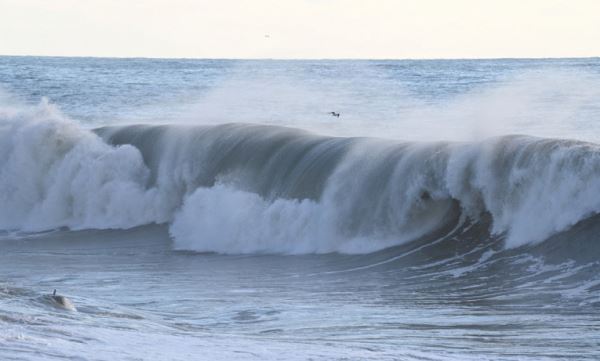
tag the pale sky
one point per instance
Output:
(382, 29)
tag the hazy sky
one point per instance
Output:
(301, 28)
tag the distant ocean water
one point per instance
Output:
(214, 209)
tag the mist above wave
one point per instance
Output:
(418, 101)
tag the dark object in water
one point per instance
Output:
(335, 114)
(63, 302)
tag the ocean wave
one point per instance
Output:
(243, 188)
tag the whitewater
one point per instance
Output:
(214, 209)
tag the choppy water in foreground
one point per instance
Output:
(194, 235)
(137, 298)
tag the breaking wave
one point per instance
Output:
(242, 188)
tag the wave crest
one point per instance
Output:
(240, 188)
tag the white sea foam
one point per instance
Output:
(55, 174)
